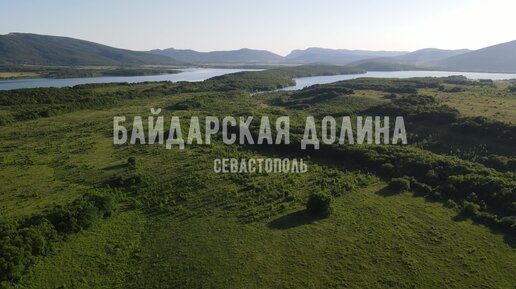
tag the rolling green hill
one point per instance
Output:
(34, 49)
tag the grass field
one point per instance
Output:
(493, 102)
(184, 226)
(14, 75)
(372, 241)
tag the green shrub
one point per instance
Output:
(469, 208)
(82, 213)
(319, 204)
(509, 223)
(5, 118)
(421, 187)
(399, 184)
(390, 96)
(450, 204)
(187, 105)
(387, 168)
(434, 196)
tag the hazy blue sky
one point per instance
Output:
(275, 25)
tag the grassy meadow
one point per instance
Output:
(175, 223)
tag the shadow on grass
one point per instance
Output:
(508, 237)
(385, 192)
(510, 240)
(461, 217)
(115, 167)
(293, 220)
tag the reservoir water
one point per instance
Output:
(308, 81)
(199, 74)
(189, 74)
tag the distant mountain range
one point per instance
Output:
(245, 55)
(25, 48)
(427, 57)
(336, 56)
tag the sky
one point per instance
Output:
(275, 25)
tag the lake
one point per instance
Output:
(308, 81)
(199, 74)
(189, 74)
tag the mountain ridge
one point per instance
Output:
(36, 49)
(243, 55)
(335, 56)
(424, 58)
(499, 57)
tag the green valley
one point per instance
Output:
(77, 211)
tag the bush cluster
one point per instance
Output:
(22, 242)
(399, 185)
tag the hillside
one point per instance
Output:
(25, 48)
(496, 58)
(335, 56)
(427, 56)
(379, 65)
(241, 56)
